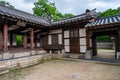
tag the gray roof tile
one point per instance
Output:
(104, 21)
(14, 13)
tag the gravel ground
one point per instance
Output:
(65, 70)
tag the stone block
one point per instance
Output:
(56, 55)
(21, 54)
(76, 56)
(46, 56)
(88, 54)
(118, 55)
(22, 62)
(66, 55)
(33, 52)
(6, 55)
(3, 69)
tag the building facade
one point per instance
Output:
(71, 36)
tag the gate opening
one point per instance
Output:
(105, 47)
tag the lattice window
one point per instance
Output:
(74, 33)
(55, 39)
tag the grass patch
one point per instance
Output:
(13, 74)
(41, 61)
(15, 69)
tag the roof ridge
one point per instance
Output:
(70, 17)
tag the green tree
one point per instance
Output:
(48, 10)
(4, 3)
(67, 15)
(19, 40)
(45, 9)
(109, 12)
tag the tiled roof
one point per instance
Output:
(105, 21)
(76, 18)
(17, 14)
(14, 13)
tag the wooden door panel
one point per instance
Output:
(74, 45)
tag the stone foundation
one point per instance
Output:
(88, 54)
(66, 55)
(23, 59)
(75, 56)
(57, 55)
(118, 56)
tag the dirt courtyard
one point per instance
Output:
(66, 70)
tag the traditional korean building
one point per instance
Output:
(71, 36)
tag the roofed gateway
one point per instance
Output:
(68, 37)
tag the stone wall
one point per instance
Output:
(102, 45)
(22, 59)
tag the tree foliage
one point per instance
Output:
(4, 3)
(48, 10)
(19, 39)
(103, 38)
(109, 12)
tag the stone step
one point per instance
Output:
(3, 69)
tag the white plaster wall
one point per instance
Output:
(82, 32)
(38, 44)
(49, 39)
(28, 44)
(55, 31)
(66, 34)
(14, 40)
(82, 41)
(67, 48)
(60, 38)
(66, 42)
(83, 49)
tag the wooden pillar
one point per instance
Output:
(118, 41)
(5, 29)
(94, 46)
(32, 39)
(1, 39)
(89, 35)
(35, 40)
(88, 41)
(25, 40)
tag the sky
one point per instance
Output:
(75, 7)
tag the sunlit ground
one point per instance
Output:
(65, 70)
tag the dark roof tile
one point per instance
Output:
(14, 13)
